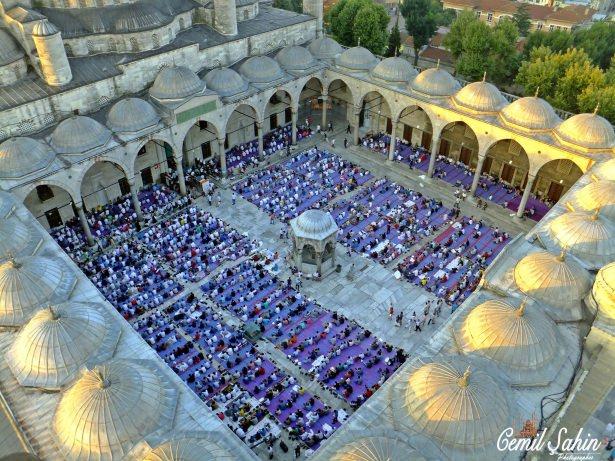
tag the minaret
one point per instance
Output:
(315, 8)
(51, 53)
(225, 17)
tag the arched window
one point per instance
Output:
(134, 44)
(156, 41)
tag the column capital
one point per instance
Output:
(294, 110)
(324, 97)
(78, 205)
(221, 141)
(357, 110)
(132, 181)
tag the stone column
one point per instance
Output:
(393, 142)
(180, 175)
(84, 224)
(325, 100)
(526, 195)
(295, 113)
(477, 174)
(319, 263)
(222, 153)
(132, 182)
(435, 143)
(259, 127)
(355, 135)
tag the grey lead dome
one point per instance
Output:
(23, 156)
(226, 82)
(131, 115)
(79, 134)
(177, 82)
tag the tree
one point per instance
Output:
(360, 20)
(444, 17)
(370, 28)
(478, 48)
(522, 19)
(556, 40)
(420, 23)
(598, 41)
(394, 42)
(568, 80)
(290, 5)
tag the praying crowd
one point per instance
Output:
(451, 265)
(385, 220)
(457, 173)
(308, 180)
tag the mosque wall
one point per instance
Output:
(201, 143)
(292, 35)
(13, 72)
(61, 201)
(129, 42)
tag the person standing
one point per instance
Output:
(333, 143)
(348, 130)
(297, 452)
(330, 127)
(417, 324)
(345, 143)
(234, 198)
(391, 311)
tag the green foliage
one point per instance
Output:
(444, 17)
(556, 40)
(598, 41)
(394, 42)
(364, 20)
(479, 48)
(421, 22)
(290, 5)
(522, 19)
(569, 80)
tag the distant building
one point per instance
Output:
(543, 17)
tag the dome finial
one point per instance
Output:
(463, 381)
(596, 109)
(103, 382)
(438, 64)
(359, 41)
(537, 90)
(53, 312)
(562, 254)
(596, 214)
(13, 262)
(484, 76)
(519, 312)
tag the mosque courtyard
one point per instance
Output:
(254, 385)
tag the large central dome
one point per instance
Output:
(111, 408)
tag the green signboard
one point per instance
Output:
(196, 111)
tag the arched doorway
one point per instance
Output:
(508, 162)
(51, 205)
(154, 163)
(241, 126)
(200, 143)
(342, 101)
(459, 143)
(414, 127)
(102, 183)
(278, 111)
(554, 179)
(375, 115)
(311, 102)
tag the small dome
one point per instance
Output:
(394, 70)
(7, 204)
(530, 113)
(197, 446)
(357, 59)
(261, 69)
(111, 408)
(435, 82)
(455, 403)
(605, 170)
(480, 97)
(16, 238)
(325, 48)
(314, 224)
(604, 291)
(28, 283)
(590, 131)
(588, 236)
(521, 337)
(369, 446)
(598, 195)
(555, 280)
(295, 58)
(79, 134)
(176, 82)
(131, 115)
(44, 28)
(52, 347)
(10, 51)
(226, 82)
(23, 156)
